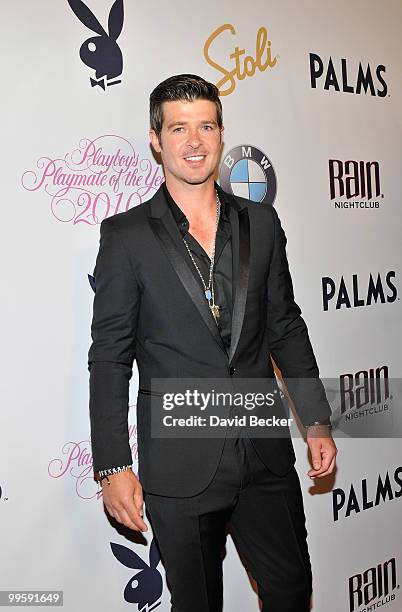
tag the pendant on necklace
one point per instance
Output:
(215, 310)
(208, 294)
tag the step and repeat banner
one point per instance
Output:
(312, 99)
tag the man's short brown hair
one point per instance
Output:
(188, 87)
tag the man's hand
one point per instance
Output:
(323, 450)
(124, 500)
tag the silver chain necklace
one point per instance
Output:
(209, 289)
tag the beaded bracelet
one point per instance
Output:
(102, 474)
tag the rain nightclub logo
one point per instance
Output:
(3, 494)
(102, 53)
(98, 179)
(364, 393)
(375, 587)
(75, 460)
(248, 173)
(355, 184)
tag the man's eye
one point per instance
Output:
(178, 129)
(208, 127)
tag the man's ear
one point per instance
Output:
(154, 141)
(222, 135)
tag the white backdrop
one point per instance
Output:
(54, 534)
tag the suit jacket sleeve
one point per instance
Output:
(112, 352)
(289, 341)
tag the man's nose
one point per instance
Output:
(194, 139)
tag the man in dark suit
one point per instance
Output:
(195, 284)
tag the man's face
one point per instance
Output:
(190, 141)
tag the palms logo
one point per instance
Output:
(102, 53)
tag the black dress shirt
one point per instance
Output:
(222, 274)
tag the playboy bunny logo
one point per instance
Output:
(92, 282)
(102, 53)
(145, 587)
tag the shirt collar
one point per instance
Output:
(180, 217)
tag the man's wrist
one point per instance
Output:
(100, 475)
(319, 429)
(326, 423)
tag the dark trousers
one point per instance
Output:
(266, 519)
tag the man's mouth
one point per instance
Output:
(194, 158)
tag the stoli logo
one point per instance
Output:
(240, 65)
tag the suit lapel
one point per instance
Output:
(168, 235)
(240, 225)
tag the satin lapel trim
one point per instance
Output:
(241, 272)
(186, 277)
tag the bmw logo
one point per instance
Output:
(248, 173)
